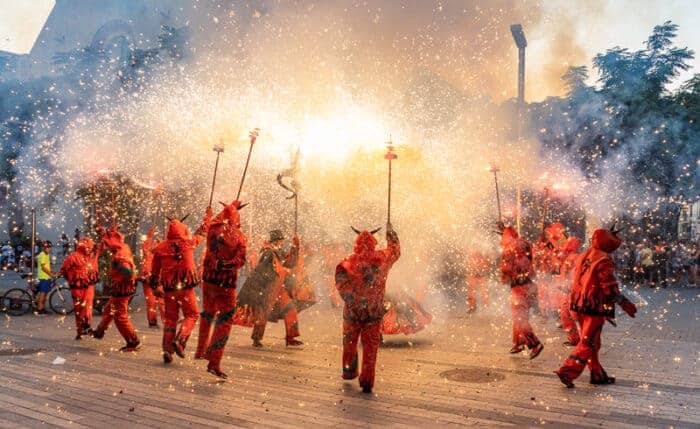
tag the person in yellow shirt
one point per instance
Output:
(45, 275)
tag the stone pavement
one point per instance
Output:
(456, 372)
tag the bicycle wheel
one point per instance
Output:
(60, 300)
(17, 302)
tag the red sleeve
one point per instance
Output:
(392, 251)
(66, 266)
(155, 270)
(342, 280)
(606, 278)
(241, 251)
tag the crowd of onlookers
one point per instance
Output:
(661, 264)
(18, 257)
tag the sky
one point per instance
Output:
(596, 25)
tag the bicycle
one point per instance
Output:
(18, 301)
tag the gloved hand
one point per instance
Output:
(628, 307)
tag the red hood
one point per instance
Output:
(177, 231)
(85, 246)
(509, 236)
(229, 215)
(113, 239)
(573, 245)
(365, 242)
(555, 232)
(605, 240)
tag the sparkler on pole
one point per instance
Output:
(546, 206)
(218, 149)
(253, 136)
(390, 155)
(292, 187)
(494, 169)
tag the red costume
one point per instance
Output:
(225, 255)
(568, 320)
(404, 315)
(516, 269)
(478, 267)
(80, 270)
(154, 305)
(361, 280)
(122, 274)
(593, 296)
(175, 276)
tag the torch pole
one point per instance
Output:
(253, 136)
(296, 213)
(546, 206)
(218, 150)
(495, 170)
(390, 155)
(33, 244)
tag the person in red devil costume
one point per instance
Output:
(154, 305)
(361, 280)
(594, 294)
(557, 240)
(478, 267)
(264, 291)
(516, 269)
(568, 321)
(225, 255)
(122, 274)
(81, 271)
(174, 276)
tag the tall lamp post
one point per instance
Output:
(521, 42)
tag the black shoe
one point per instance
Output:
(41, 312)
(130, 347)
(536, 350)
(570, 344)
(565, 380)
(603, 380)
(292, 342)
(257, 344)
(516, 349)
(97, 334)
(366, 388)
(217, 372)
(167, 357)
(78, 336)
(152, 324)
(179, 347)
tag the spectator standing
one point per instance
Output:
(646, 261)
(44, 274)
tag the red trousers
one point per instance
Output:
(154, 305)
(568, 322)
(82, 305)
(544, 284)
(371, 335)
(117, 309)
(288, 309)
(586, 352)
(520, 312)
(176, 300)
(477, 285)
(218, 308)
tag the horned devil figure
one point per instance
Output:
(174, 276)
(225, 255)
(361, 280)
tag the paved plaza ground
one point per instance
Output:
(456, 372)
